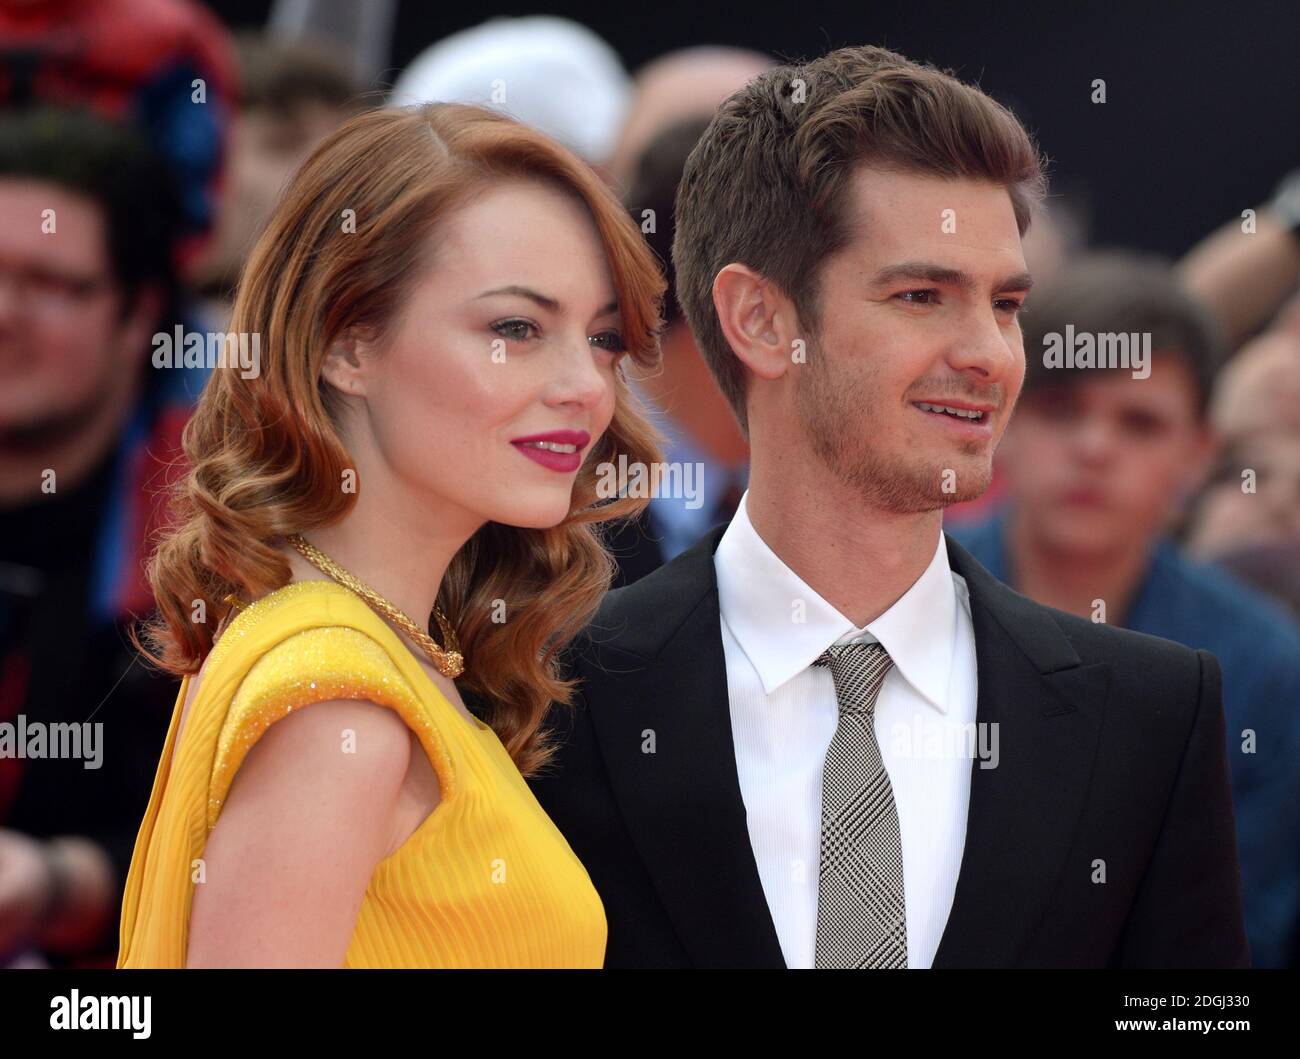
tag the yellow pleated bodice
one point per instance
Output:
(486, 880)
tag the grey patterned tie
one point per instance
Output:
(861, 919)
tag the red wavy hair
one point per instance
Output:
(265, 459)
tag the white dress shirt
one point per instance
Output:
(784, 714)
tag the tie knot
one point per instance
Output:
(858, 670)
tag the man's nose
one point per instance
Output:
(986, 347)
(1094, 437)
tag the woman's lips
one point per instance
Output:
(565, 462)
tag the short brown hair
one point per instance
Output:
(281, 75)
(766, 184)
(1122, 292)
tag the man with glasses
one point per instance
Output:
(87, 228)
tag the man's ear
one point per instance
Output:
(1204, 448)
(757, 319)
(346, 362)
(141, 321)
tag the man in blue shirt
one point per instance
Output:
(1098, 456)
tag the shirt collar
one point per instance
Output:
(761, 600)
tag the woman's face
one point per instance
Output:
(512, 336)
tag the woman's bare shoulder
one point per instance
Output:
(307, 818)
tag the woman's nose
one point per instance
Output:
(578, 379)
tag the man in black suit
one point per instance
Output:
(825, 736)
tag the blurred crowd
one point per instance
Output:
(142, 149)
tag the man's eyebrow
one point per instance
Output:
(547, 303)
(929, 272)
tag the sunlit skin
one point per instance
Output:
(429, 418)
(70, 357)
(1097, 467)
(848, 478)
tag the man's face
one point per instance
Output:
(1099, 462)
(58, 308)
(918, 312)
(266, 149)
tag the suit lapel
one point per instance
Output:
(661, 675)
(683, 806)
(1049, 710)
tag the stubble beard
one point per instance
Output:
(837, 421)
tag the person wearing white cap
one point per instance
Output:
(550, 73)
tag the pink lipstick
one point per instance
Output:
(558, 450)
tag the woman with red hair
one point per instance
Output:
(440, 305)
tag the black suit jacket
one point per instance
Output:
(636, 548)
(1112, 753)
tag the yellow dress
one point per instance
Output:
(486, 880)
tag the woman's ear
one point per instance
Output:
(347, 361)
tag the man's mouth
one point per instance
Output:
(970, 414)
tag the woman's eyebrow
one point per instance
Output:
(524, 292)
(550, 304)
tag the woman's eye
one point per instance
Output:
(610, 340)
(517, 329)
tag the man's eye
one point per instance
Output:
(47, 284)
(610, 340)
(1143, 424)
(1010, 305)
(517, 329)
(919, 297)
(1054, 402)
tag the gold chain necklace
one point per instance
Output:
(450, 663)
